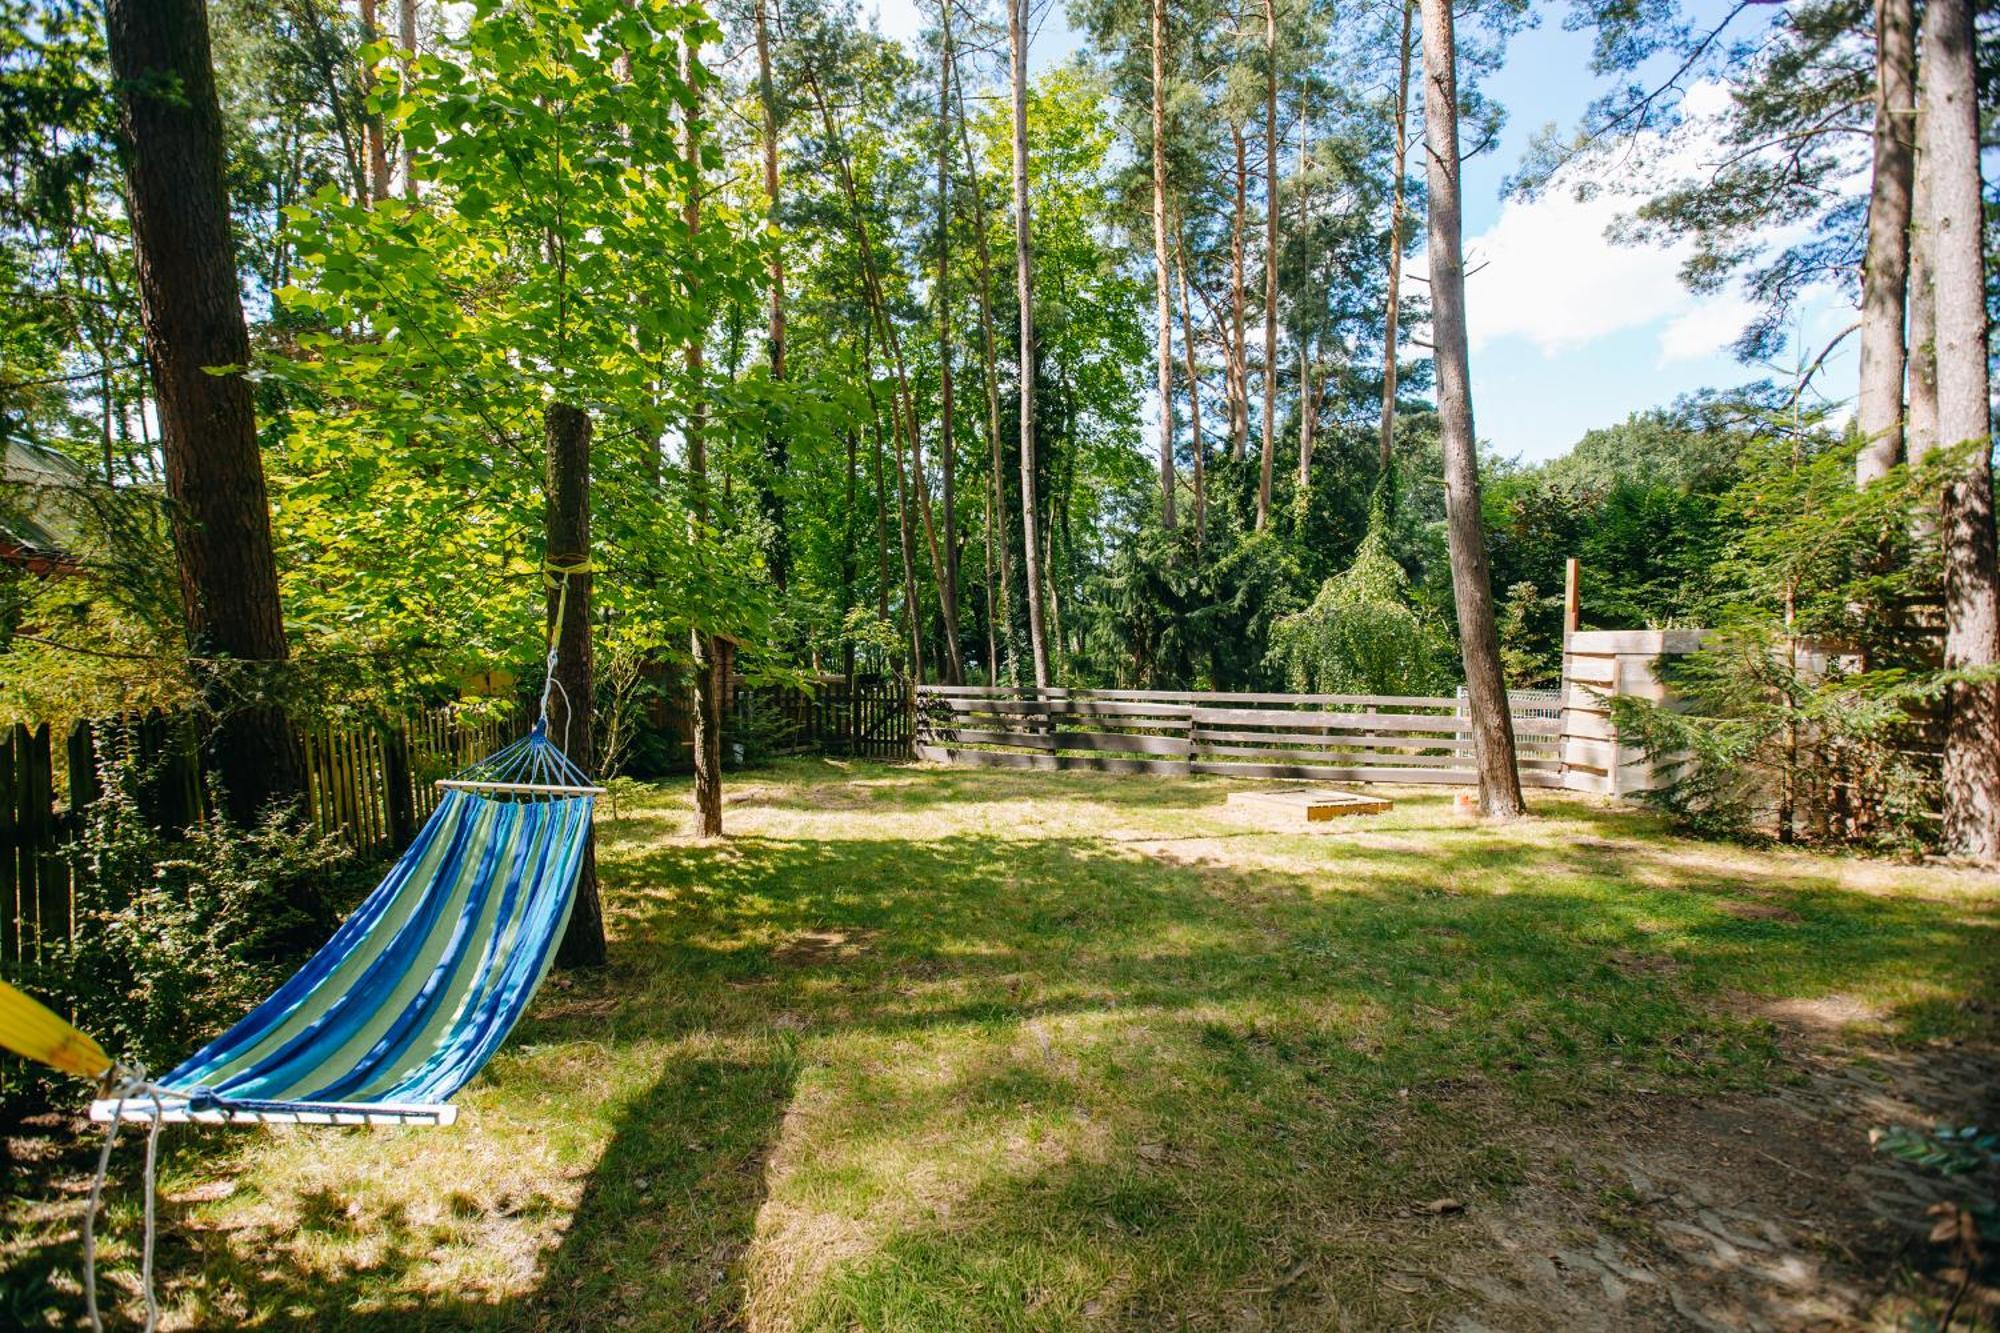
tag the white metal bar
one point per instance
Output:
(141, 1110)
(525, 788)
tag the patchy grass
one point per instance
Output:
(921, 1049)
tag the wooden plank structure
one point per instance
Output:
(869, 719)
(1303, 737)
(1597, 666)
(1312, 807)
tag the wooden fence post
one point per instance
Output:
(396, 776)
(11, 934)
(53, 911)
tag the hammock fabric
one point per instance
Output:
(416, 990)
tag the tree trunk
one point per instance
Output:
(707, 663)
(378, 143)
(992, 622)
(912, 607)
(881, 477)
(193, 320)
(954, 670)
(777, 449)
(1194, 390)
(1024, 285)
(1471, 581)
(566, 526)
(408, 25)
(849, 540)
(1270, 448)
(1397, 221)
(1972, 603)
(1885, 271)
(1239, 358)
(1163, 301)
(989, 364)
(1308, 408)
(1922, 423)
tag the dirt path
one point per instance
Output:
(1760, 1213)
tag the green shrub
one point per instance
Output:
(177, 936)
(1813, 711)
(1362, 634)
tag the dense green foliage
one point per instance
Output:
(1812, 708)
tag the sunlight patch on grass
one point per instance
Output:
(921, 1049)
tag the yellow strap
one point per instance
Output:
(556, 571)
(28, 1028)
(558, 568)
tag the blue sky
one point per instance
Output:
(1568, 330)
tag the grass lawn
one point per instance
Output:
(923, 1049)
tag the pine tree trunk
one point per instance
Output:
(1239, 360)
(992, 622)
(1972, 603)
(1308, 406)
(566, 527)
(193, 320)
(849, 541)
(378, 144)
(408, 25)
(881, 476)
(912, 606)
(777, 449)
(1194, 390)
(1922, 422)
(1885, 271)
(1163, 301)
(1024, 284)
(954, 673)
(1471, 580)
(1397, 221)
(1270, 447)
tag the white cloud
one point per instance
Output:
(1547, 272)
(899, 20)
(1705, 327)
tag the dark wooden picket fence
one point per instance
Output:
(870, 721)
(370, 783)
(374, 785)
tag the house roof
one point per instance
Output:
(32, 513)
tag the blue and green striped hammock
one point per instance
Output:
(419, 987)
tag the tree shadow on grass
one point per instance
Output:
(1271, 1005)
(653, 1241)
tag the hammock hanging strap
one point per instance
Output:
(557, 571)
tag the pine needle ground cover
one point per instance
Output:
(925, 1049)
